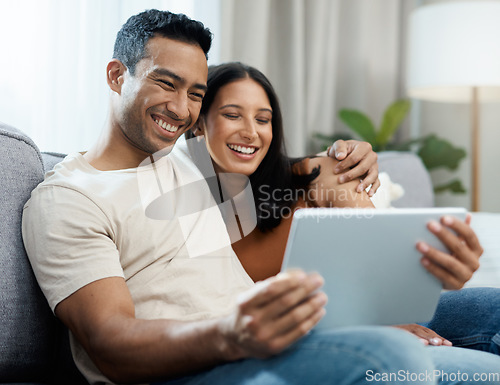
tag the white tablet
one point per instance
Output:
(372, 270)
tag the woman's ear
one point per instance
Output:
(199, 127)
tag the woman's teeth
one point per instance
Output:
(243, 150)
(166, 126)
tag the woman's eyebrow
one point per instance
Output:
(239, 107)
(229, 105)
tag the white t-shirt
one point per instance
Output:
(81, 225)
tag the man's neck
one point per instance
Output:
(112, 153)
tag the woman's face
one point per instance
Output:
(238, 128)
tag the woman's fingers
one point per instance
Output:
(455, 267)
(426, 335)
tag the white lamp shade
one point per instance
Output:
(453, 47)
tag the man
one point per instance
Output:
(139, 306)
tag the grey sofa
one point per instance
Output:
(34, 347)
(408, 170)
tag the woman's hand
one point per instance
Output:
(455, 267)
(357, 160)
(426, 335)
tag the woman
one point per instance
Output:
(241, 121)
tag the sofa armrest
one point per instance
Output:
(33, 343)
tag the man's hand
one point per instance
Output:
(270, 317)
(357, 160)
(274, 314)
(456, 268)
(426, 335)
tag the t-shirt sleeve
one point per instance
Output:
(69, 242)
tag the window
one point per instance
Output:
(54, 56)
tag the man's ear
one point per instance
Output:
(115, 71)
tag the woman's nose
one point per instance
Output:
(249, 131)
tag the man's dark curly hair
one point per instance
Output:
(132, 38)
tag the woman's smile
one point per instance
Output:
(238, 127)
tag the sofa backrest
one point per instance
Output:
(33, 343)
(407, 169)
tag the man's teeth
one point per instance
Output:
(243, 150)
(166, 126)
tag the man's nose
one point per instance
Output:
(179, 106)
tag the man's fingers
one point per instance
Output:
(282, 340)
(282, 291)
(270, 337)
(268, 290)
(295, 316)
(293, 299)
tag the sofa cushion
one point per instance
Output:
(408, 170)
(50, 159)
(31, 338)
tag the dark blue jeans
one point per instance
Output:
(468, 318)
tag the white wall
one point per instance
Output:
(453, 122)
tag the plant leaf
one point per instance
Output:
(393, 116)
(455, 186)
(332, 137)
(436, 152)
(323, 141)
(405, 146)
(359, 123)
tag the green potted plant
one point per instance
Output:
(435, 152)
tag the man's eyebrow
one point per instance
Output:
(180, 79)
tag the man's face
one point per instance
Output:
(163, 99)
